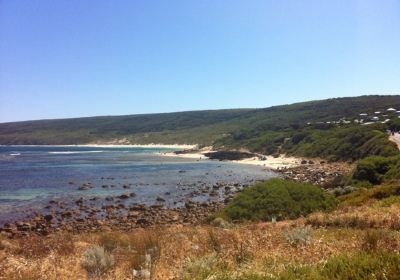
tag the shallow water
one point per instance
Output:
(30, 176)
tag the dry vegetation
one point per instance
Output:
(354, 241)
(190, 252)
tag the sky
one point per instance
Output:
(74, 58)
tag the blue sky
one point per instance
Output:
(83, 58)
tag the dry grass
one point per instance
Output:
(363, 217)
(179, 251)
(40, 247)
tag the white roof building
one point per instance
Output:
(363, 114)
(377, 112)
(391, 109)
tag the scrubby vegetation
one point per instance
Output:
(277, 199)
(361, 265)
(246, 251)
(394, 125)
(299, 236)
(343, 143)
(363, 195)
(376, 207)
(375, 170)
(97, 261)
(348, 142)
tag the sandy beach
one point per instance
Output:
(269, 162)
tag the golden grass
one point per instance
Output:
(252, 247)
(363, 217)
(177, 250)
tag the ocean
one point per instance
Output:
(31, 176)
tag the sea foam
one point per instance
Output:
(74, 152)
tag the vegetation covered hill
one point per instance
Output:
(299, 129)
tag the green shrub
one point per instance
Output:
(376, 169)
(394, 125)
(278, 199)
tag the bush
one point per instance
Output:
(299, 236)
(221, 223)
(97, 261)
(394, 125)
(278, 199)
(376, 169)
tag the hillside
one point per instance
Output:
(259, 130)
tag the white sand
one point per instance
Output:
(270, 162)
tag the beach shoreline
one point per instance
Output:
(168, 146)
(274, 163)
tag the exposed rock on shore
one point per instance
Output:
(316, 173)
(229, 155)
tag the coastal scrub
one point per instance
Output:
(277, 199)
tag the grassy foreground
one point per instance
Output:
(358, 240)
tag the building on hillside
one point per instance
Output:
(368, 123)
(391, 110)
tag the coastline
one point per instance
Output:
(270, 162)
(172, 146)
(118, 210)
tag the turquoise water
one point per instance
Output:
(30, 176)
